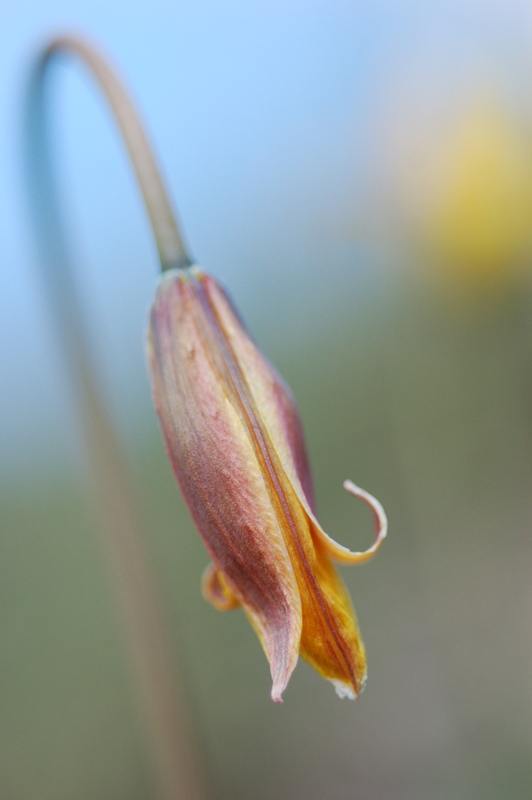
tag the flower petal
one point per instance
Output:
(314, 646)
(330, 637)
(217, 591)
(268, 391)
(281, 417)
(216, 464)
(342, 554)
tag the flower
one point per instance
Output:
(453, 172)
(480, 220)
(234, 439)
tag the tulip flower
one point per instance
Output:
(235, 442)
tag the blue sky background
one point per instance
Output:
(262, 116)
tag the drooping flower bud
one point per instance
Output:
(234, 439)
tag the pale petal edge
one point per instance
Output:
(343, 555)
(345, 690)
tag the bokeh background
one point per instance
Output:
(359, 174)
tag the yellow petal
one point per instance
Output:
(315, 647)
(217, 591)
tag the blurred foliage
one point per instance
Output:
(428, 408)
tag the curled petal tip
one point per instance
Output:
(343, 555)
(381, 521)
(216, 590)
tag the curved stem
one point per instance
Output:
(149, 653)
(172, 251)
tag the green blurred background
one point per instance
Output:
(430, 409)
(381, 257)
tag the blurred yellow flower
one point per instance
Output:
(480, 220)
